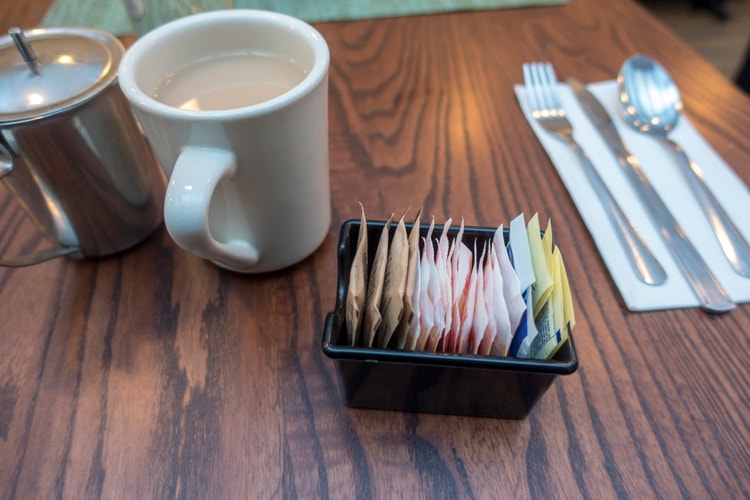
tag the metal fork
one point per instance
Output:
(546, 107)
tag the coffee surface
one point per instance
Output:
(229, 81)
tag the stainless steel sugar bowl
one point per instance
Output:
(70, 149)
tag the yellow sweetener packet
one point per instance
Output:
(543, 286)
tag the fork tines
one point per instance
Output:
(545, 100)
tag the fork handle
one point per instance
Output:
(641, 260)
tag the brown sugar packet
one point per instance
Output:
(357, 292)
(394, 288)
(410, 300)
(373, 317)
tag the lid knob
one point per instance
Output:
(24, 47)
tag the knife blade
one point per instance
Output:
(706, 287)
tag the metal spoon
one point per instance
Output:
(651, 102)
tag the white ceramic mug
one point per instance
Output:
(248, 186)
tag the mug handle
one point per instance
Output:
(6, 167)
(196, 175)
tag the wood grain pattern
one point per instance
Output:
(153, 374)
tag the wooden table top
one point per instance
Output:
(154, 374)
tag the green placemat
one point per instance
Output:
(110, 15)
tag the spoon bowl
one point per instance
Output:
(651, 102)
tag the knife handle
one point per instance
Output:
(640, 258)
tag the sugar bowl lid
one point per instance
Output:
(46, 71)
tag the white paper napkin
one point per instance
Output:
(661, 168)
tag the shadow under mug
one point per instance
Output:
(248, 186)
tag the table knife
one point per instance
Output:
(706, 287)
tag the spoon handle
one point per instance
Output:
(734, 246)
(641, 260)
(706, 287)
